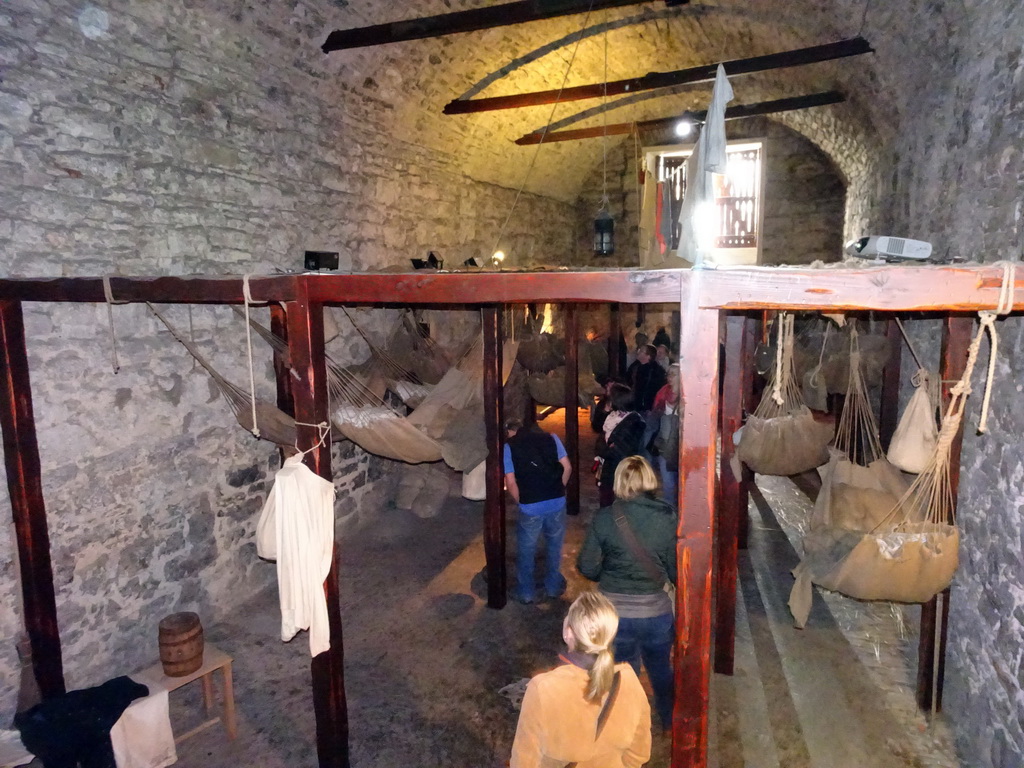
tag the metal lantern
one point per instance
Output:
(604, 233)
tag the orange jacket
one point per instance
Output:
(557, 725)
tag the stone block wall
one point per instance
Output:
(804, 197)
(192, 138)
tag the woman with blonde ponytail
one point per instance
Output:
(588, 712)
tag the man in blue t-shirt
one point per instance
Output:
(536, 471)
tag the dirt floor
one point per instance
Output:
(425, 660)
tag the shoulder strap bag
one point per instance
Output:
(643, 557)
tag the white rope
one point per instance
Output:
(109, 294)
(988, 321)
(247, 295)
(323, 430)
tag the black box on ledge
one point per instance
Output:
(317, 260)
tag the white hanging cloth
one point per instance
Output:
(696, 213)
(296, 528)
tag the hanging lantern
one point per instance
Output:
(604, 233)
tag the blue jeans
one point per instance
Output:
(651, 640)
(669, 481)
(528, 531)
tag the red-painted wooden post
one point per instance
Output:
(305, 324)
(494, 507)
(282, 375)
(957, 333)
(694, 549)
(25, 486)
(731, 505)
(572, 403)
(614, 340)
(751, 334)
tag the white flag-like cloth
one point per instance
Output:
(696, 214)
(296, 528)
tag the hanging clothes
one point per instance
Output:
(296, 528)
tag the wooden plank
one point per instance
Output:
(25, 487)
(430, 287)
(572, 400)
(282, 373)
(957, 333)
(737, 112)
(305, 322)
(654, 80)
(889, 404)
(162, 290)
(615, 351)
(494, 419)
(501, 15)
(732, 502)
(696, 534)
(892, 288)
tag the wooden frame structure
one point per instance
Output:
(704, 296)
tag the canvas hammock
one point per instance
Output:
(782, 436)
(911, 554)
(549, 388)
(274, 424)
(415, 351)
(363, 417)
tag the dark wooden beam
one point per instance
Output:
(502, 15)
(654, 80)
(160, 290)
(732, 502)
(572, 405)
(889, 399)
(25, 487)
(694, 549)
(751, 333)
(957, 333)
(305, 325)
(282, 363)
(494, 417)
(615, 351)
(731, 113)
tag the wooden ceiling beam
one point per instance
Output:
(731, 113)
(472, 20)
(653, 80)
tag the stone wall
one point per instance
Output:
(804, 197)
(184, 138)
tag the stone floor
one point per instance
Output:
(425, 659)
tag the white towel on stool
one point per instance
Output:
(142, 737)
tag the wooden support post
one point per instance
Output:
(25, 487)
(494, 418)
(931, 663)
(751, 334)
(697, 450)
(614, 341)
(282, 363)
(305, 329)
(732, 498)
(888, 409)
(572, 404)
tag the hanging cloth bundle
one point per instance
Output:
(912, 553)
(782, 437)
(916, 435)
(274, 424)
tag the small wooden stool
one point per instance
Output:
(213, 659)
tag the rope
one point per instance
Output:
(988, 322)
(910, 346)
(110, 323)
(815, 378)
(323, 430)
(247, 295)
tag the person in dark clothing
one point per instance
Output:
(623, 430)
(537, 469)
(645, 377)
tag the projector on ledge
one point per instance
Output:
(889, 248)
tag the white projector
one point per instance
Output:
(889, 248)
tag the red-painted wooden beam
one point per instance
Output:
(572, 404)
(305, 322)
(731, 113)
(502, 15)
(654, 80)
(494, 418)
(25, 486)
(694, 549)
(957, 333)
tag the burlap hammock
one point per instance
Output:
(912, 552)
(782, 436)
(272, 423)
(549, 388)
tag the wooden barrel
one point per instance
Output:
(181, 644)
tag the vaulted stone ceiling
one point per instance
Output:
(415, 79)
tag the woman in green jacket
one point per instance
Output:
(630, 550)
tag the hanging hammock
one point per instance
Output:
(549, 388)
(782, 436)
(274, 424)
